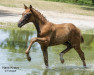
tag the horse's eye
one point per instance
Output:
(27, 15)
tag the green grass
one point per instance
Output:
(88, 31)
(89, 2)
(13, 26)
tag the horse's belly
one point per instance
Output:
(58, 40)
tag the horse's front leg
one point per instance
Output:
(45, 54)
(32, 41)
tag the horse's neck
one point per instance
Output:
(39, 21)
(38, 24)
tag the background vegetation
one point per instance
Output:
(75, 1)
(62, 7)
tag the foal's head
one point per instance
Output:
(27, 16)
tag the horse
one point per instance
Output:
(50, 34)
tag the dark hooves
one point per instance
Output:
(62, 61)
(47, 67)
(85, 66)
(29, 58)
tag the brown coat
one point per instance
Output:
(50, 34)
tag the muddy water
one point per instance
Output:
(13, 44)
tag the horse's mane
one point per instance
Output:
(39, 15)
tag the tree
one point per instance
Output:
(76, 0)
(92, 1)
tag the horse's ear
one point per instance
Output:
(30, 7)
(25, 7)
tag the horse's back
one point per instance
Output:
(67, 28)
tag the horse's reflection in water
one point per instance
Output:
(62, 72)
(65, 71)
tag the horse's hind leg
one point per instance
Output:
(81, 54)
(66, 50)
(76, 45)
(45, 54)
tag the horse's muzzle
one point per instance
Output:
(20, 24)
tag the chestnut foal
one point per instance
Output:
(50, 34)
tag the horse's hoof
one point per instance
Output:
(29, 59)
(85, 66)
(62, 61)
(47, 67)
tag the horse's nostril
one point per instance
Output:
(19, 24)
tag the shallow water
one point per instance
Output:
(13, 44)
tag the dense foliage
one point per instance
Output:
(75, 1)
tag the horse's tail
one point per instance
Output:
(82, 39)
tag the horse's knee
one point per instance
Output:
(34, 40)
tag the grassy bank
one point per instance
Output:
(29, 27)
(13, 26)
(51, 6)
